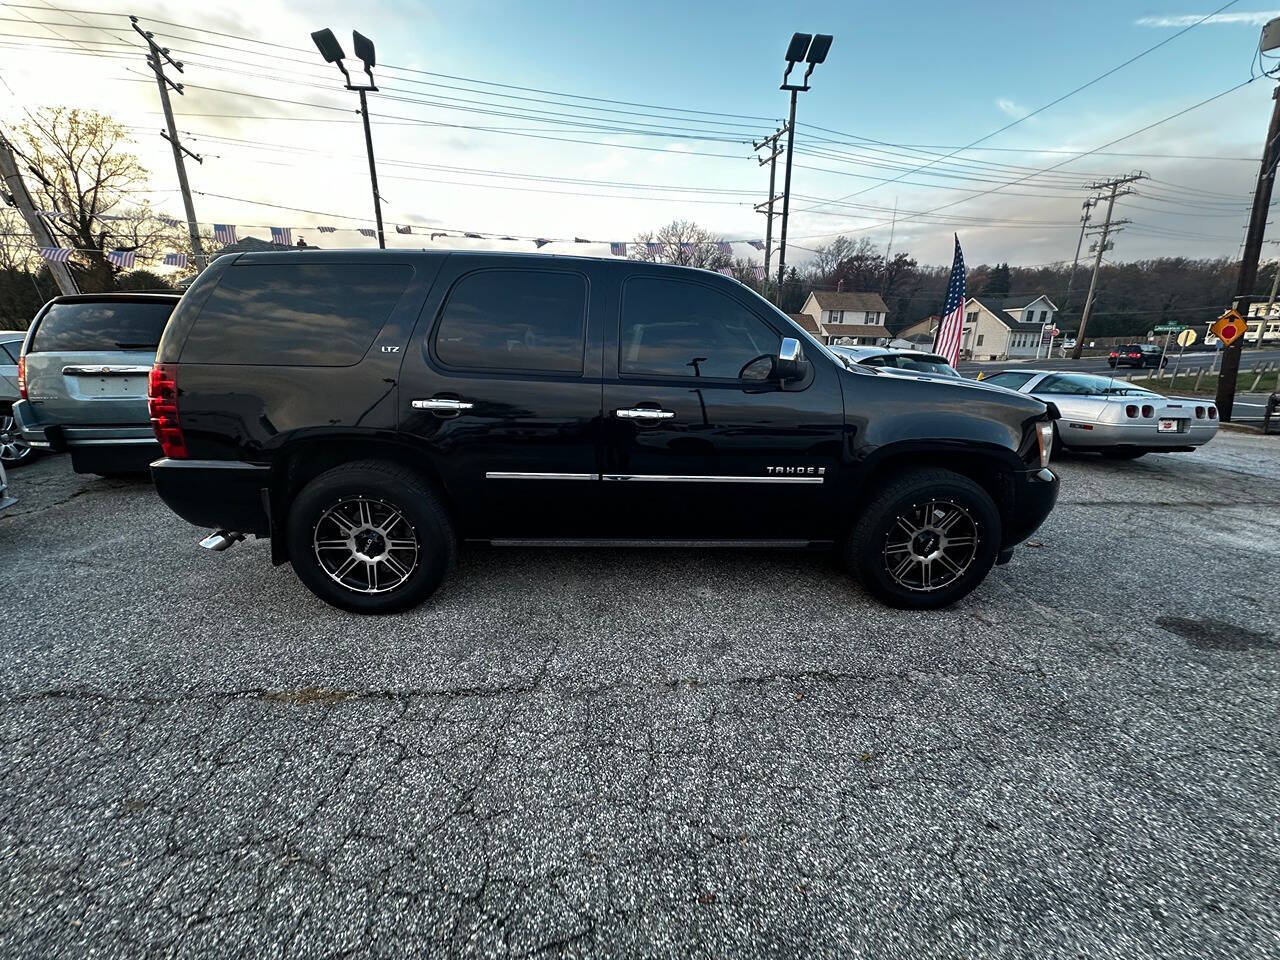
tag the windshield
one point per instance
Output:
(1088, 385)
(107, 325)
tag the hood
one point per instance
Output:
(949, 391)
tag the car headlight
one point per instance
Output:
(1044, 434)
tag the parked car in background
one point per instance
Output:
(13, 449)
(919, 362)
(1112, 417)
(83, 379)
(6, 501)
(365, 410)
(1137, 355)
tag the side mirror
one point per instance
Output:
(790, 362)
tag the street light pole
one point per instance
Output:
(812, 50)
(332, 52)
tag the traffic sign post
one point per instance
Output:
(1228, 328)
(1185, 339)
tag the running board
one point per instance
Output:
(649, 542)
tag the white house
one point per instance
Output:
(1002, 329)
(848, 317)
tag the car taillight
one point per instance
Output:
(1131, 410)
(22, 377)
(1199, 413)
(1148, 411)
(162, 403)
(1135, 356)
(1113, 355)
(1213, 413)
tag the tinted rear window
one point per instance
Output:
(101, 326)
(9, 351)
(296, 314)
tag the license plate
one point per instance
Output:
(112, 386)
(1167, 426)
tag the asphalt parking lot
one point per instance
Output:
(649, 753)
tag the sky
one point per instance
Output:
(602, 120)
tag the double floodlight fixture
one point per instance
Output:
(332, 52)
(1270, 35)
(806, 48)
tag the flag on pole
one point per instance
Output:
(224, 233)
(400, 228)
(175, 259)
(618, 249)
(56, 254)
(724, 247)
(124, 259)
(947, 341)
(758, 244)
(540, 243)
(727, 271)
(655, 249)
(326, 229)
(282, 235)
(368, 232)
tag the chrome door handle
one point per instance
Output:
(643, 413)
(442, 404)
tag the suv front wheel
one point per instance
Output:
(370, 537)
(926, 541)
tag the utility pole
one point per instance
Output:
(772, 160)
(1108, 228)
(1085, 212)
(1271, 302)
(17, 194)
(157, 57)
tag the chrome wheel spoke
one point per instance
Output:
(333, 544)
(942, 539)
(396, 566)
(364, 538)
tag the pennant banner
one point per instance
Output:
(124, 259)
(367, 232)
(688, 247)
(434, 235)
(473, 236)
(759, 273)
(758, 244)
(618, 249)
(224, 233)
(724, 247)
(655, 249)
(326, 229)
(55, 254)
(727, 271)
(171, 223)
(282, 235)
(175, 259)
(403, 229)
(540, 243)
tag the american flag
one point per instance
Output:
(947, 342)
(282, 236)
(56, 254)
(171, 223)
(368, 232)
(618, 249)
(727, 271)
(224, 233)
(688, 247)
(124, 259)
(655, 249)
(724, 247)
(758, 244)
(175, 259)
(759, 271)
(326, 229)
(400, 228)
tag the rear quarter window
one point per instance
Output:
(296, 314)
(70, 327)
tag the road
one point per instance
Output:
(657, 754)
(1190, 361)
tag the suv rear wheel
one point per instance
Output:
(370, 537)
(926, 541)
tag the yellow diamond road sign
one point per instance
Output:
(1228, 327)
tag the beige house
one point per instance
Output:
(843, 317)
(1006, 329)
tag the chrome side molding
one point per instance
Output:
(525, 475)
(106, 370)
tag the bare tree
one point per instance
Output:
(81, 171)
(684, 243)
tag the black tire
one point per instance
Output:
(14, 451)
(394, 487)
(867, 551)
(1122, 453)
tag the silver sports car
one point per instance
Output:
(1113, 417)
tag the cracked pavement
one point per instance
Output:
(649, 753)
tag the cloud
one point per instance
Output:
(1007, 106)
(1254, 18)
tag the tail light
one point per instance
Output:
(1135, 356)
(1213, 413)
(1131, 410)
(1199, 413)
(162, 404)
(1148, 410)
(22, 377)
(1113, 355)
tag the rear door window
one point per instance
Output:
(673, 328)
(68, 327)
(514, 320)
(9, 351)
(296, 314)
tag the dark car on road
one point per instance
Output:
(1137, 355)
(82, 377)
(368, 410)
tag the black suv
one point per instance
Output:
(368, 410)
(1137, 355)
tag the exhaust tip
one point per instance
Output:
(221, 540)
